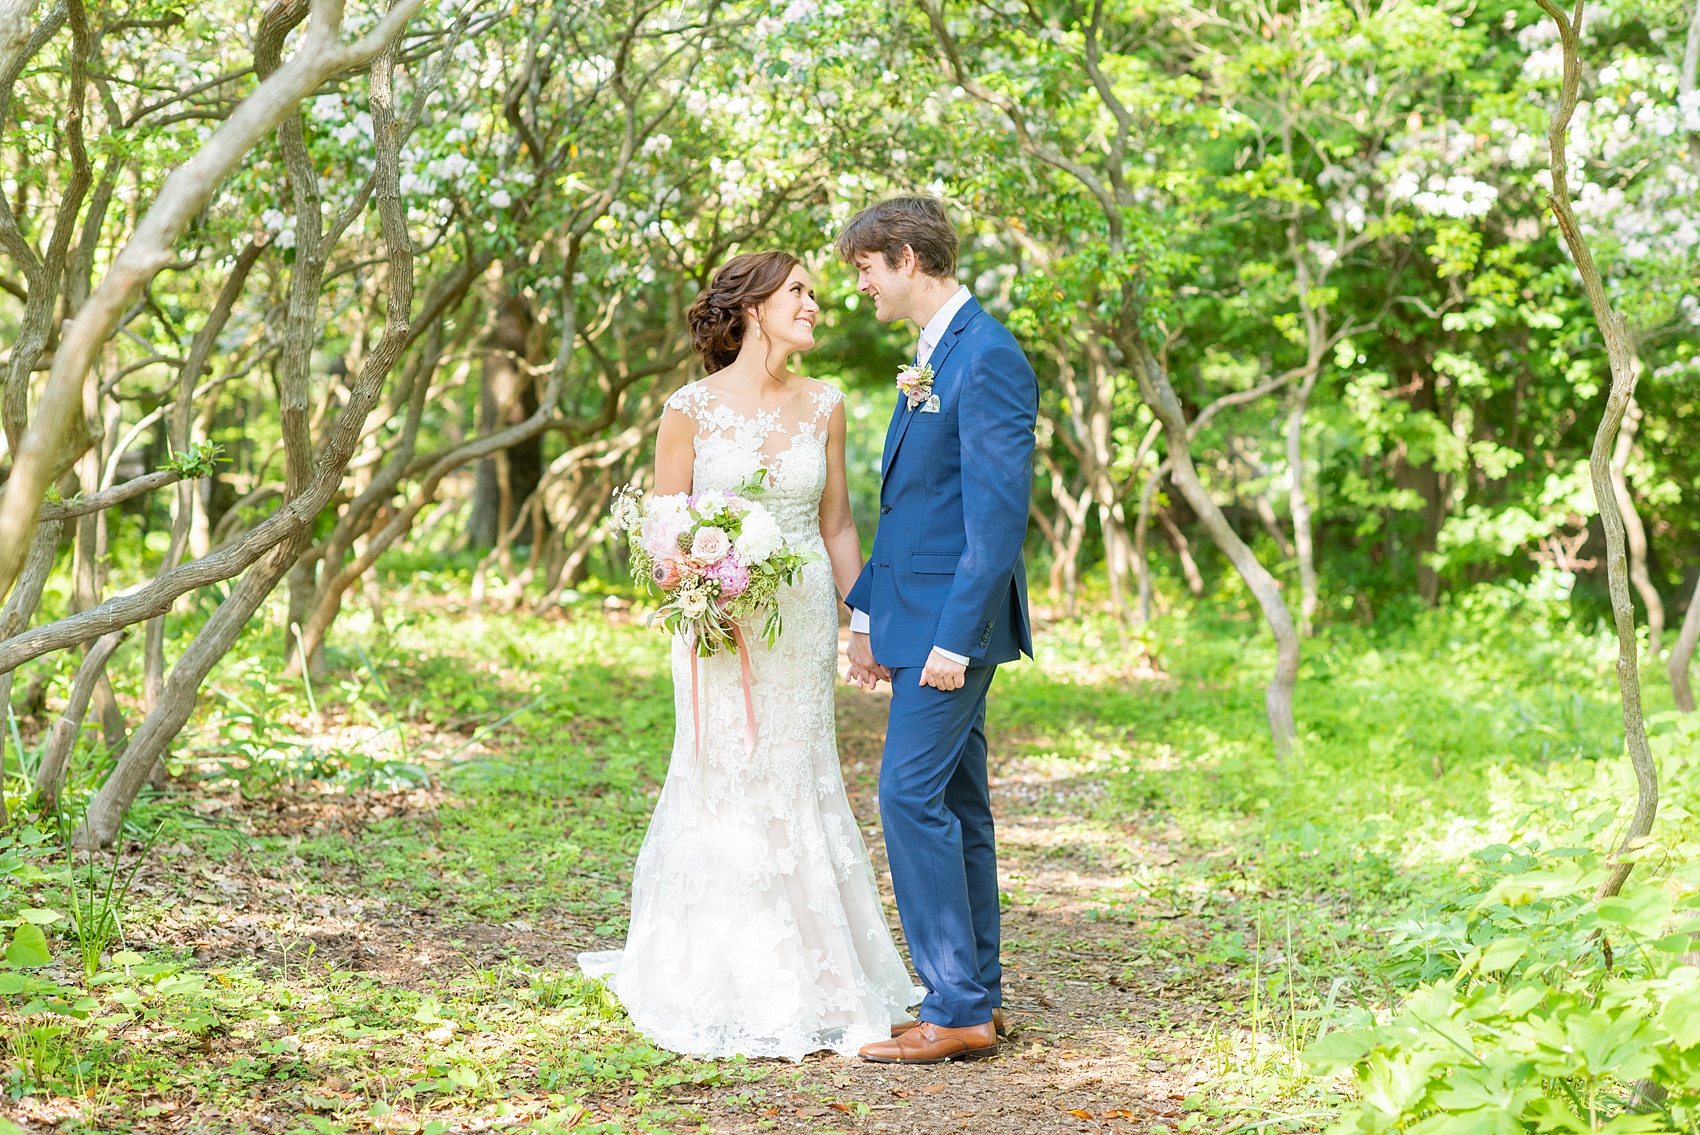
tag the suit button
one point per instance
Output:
(884, 508)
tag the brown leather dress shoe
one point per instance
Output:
(928, 1043)
(902, 1027)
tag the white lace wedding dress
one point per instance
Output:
(756, 925)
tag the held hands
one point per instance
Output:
(942, 674)
(864, 671)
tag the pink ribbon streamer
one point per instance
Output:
(747, 678)
(749, 698)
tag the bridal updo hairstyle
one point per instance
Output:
(718, 314)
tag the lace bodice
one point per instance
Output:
(789, 442)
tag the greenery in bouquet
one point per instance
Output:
(718, 560)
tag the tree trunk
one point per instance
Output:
(20, 605)
(1682, 653)
(1189, 566)
(62, 741)
(181, 421)
(1272, 525)
(1614, 328)
(1154, 386)
(1299, 503)
(507, 397)
(1635, 534)
(105, 815)
(1141, 537)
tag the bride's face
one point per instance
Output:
(788, 316)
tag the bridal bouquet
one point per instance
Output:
(718, 559)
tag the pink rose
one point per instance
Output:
(734, 577)
(710, 545)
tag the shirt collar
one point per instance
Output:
(940, 322)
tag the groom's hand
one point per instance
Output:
(942, 674)
(864, 671)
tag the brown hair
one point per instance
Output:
(886, 226)
(717, 314)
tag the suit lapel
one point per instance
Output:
(941, 353)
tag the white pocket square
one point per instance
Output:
(931, 405)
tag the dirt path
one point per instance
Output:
(1109, 1003)
(1100, 1038)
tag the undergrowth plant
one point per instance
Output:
(1534, 1006)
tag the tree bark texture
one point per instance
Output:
(1614, 328)
(1635, 533)
(62, 740)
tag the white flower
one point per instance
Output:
(500, 199)
(627, 511)
(710, 545)
(759, 536)
(693, 603)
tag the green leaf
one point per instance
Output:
(1680, 1016)
(181, 986)
(1642, 912)
(29, 947)
(12, 984)
(1502, 953)
(1337, 1050)
(40, 917)
(127, 958)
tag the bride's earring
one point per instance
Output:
(758, 329)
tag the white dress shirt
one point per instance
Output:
(930, 336)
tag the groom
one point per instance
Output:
(941, 602)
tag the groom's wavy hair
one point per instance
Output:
(886, 226)
(717, 315)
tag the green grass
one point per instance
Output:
(421, 799)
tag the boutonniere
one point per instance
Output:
(916, 383)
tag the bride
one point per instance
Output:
(756, 925)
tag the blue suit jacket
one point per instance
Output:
(946, 568)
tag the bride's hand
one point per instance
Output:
(864, 671)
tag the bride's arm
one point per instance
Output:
(675, 453)
(837, 525)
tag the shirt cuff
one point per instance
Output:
(858, 621)
(959, 659)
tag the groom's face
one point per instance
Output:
(887, 284)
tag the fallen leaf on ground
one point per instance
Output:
(932, 1089)
(1080, 1113)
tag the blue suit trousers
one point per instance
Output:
(936, 808)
